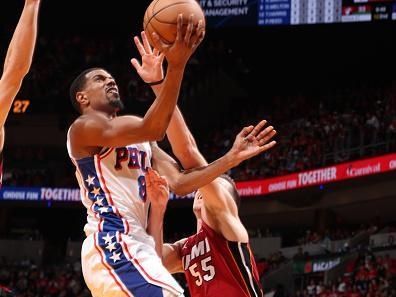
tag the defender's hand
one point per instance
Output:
(252, 141)
(151, 68)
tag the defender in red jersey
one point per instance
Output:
(217, 260)
(17, 64)
(214, 266)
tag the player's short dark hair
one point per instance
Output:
(78, 85)
(233, 190)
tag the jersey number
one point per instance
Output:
(20, 106)
(142, 187)
(206, 267)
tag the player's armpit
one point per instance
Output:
(171, 256)
(98, 131)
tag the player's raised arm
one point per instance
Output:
(183, 142)
(180, 137)
(158, 116)
(96, 90)
(250, 142)
(18, 59)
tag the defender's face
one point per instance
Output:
(102, 91)
(198, 203)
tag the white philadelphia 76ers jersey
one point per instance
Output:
(113, 189)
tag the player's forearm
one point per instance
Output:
(183, 143)
(190, 180)
(20, 52)
(155, 228)
(171, 257)
(157, 89)
(159, 114)
(1, 138)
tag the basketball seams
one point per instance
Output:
(162, 9)
(161, 17)
(159, 34)
(154, 5)
(157, 17)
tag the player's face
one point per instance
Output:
(197, 206)
(102, 91)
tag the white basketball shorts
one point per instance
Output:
(116, 265)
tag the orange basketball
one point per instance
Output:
(161, 17)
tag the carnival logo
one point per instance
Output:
(360, 171)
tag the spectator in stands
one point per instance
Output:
(299, 256)
(311, 288)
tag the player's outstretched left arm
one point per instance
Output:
(250, 142)
(18, 59)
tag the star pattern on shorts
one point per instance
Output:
(115, 257)
(99, 202)
(108, 239)
(95, 191)
(103, 209)
(111, 246)
(90, 180)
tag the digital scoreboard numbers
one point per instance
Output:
(367, 10)
(221, 13)
(298, 12)
(273, 12)
(315, 11)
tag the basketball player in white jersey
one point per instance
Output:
(17, 64)
(112, 155)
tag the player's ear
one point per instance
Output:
(82, 98)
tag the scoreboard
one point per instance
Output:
(221, 13)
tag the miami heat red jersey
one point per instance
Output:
(215, 267)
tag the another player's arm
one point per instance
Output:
(184, 182)
(183, 142)
(171, 256)
(151, 70)
(186, 151)
(248, 143)
(18, 59)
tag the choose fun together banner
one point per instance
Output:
(262, 187)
